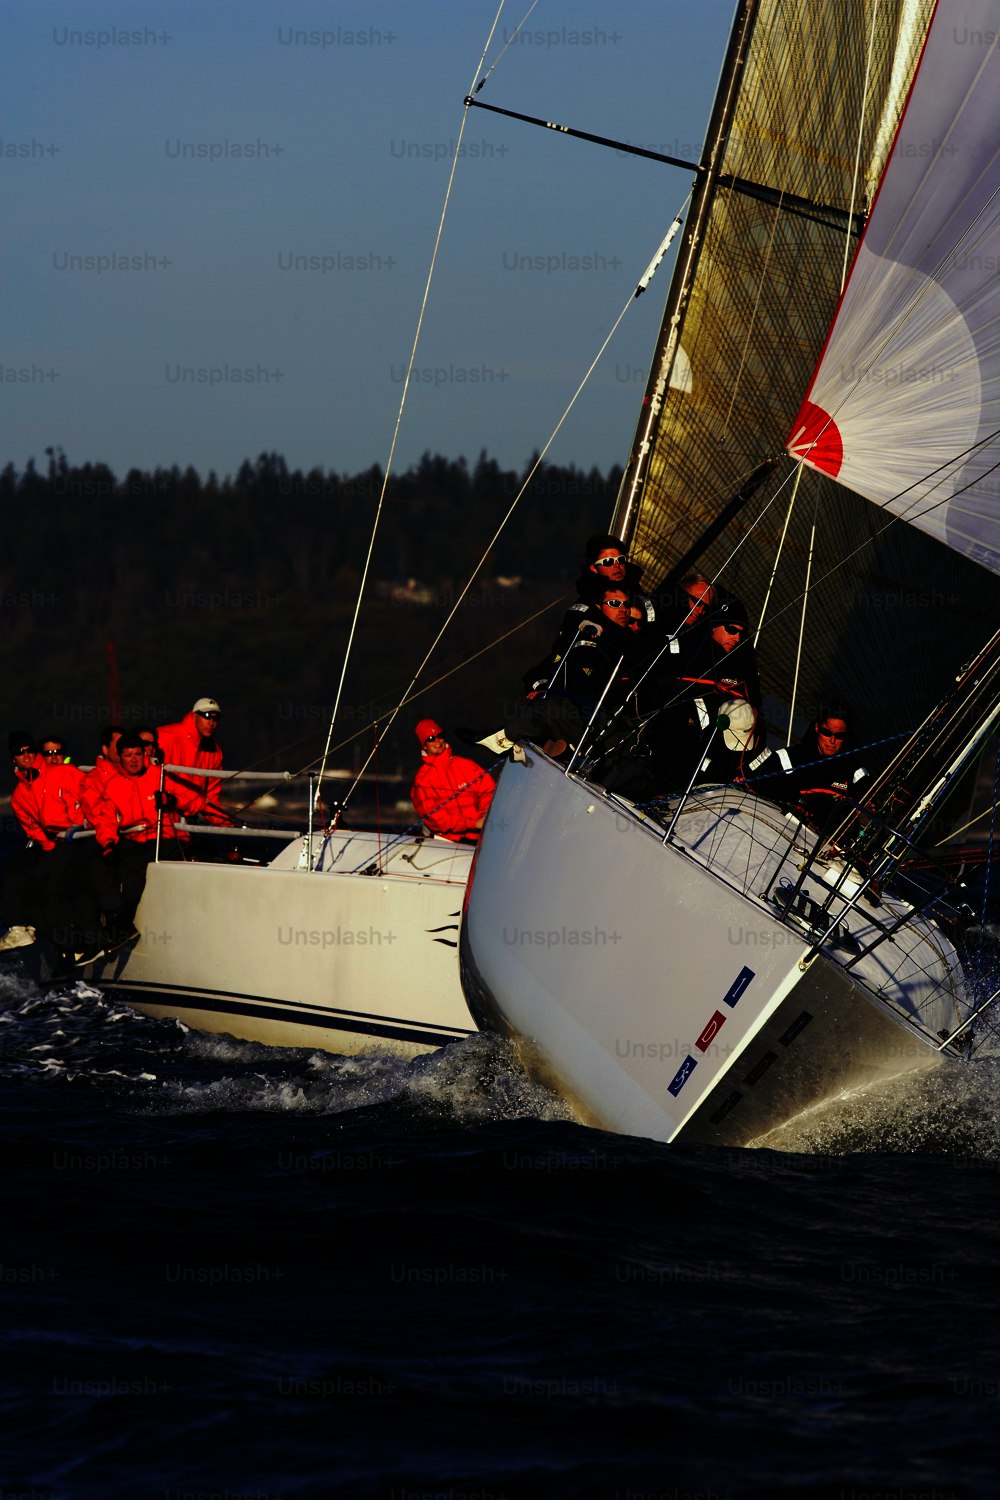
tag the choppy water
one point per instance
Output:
(231, 1270)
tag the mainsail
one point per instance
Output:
(809, 114)
(904, 407)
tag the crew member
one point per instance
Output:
(24, 873)
(451, 794)
(41, 889)
(605, 561)
(105, 766)
(192, 742)
(818, 773)
(719, 678)
(127, 816)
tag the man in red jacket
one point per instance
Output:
(46, 803)
(126, 819)
(105, 766)
(24, 874)
(191, 742)
(451, 794)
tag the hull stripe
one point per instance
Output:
(245, 1005)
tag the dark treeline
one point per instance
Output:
(149, 589)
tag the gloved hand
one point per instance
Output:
(164, 801)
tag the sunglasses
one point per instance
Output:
(608, 562)
(432, 737)
(830, 734)
(733, 629)
(695, 602)
(24, 750)
(208, 716)
(616, 603)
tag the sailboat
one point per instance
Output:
(343, 941)
(709, 967)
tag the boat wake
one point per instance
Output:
(947, 1111)
(75, 1035)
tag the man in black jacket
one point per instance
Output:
(818, 773)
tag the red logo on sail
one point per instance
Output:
(816, 439)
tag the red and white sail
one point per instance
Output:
(904, 405)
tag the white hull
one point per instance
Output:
(335, 958)
(657, 986)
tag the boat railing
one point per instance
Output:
(850, 885)
(311, 835)
(822, 919)
(227, 830)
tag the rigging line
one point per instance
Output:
(399, 415)
(802, 618)
(777, 555)
(714, 582)
(459, 666)
(861, 131)
(749, 532)
(987, 812)
(510, 511)
(939, 727)
(893, 519)
(508, 43)
(989, 847)
(909, 515)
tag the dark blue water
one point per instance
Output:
(229, 1271)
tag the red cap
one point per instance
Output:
(427, 729)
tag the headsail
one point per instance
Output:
(904, 407)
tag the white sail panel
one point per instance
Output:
(904, 406)
(680, 373)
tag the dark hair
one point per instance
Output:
(108, 733)
(833, 710)
(19, 737)
(59, 739)
(142, 729)
(597, 544)
(131, 740)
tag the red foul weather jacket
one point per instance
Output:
(93, 786)
(49, 802)
(182, 745)
(451, 794)
(129, 800)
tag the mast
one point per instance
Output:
(634, 478)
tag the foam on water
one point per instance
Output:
(953, 1109)
(471, 1081)
(74, 1034)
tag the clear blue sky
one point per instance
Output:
(349, 110)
